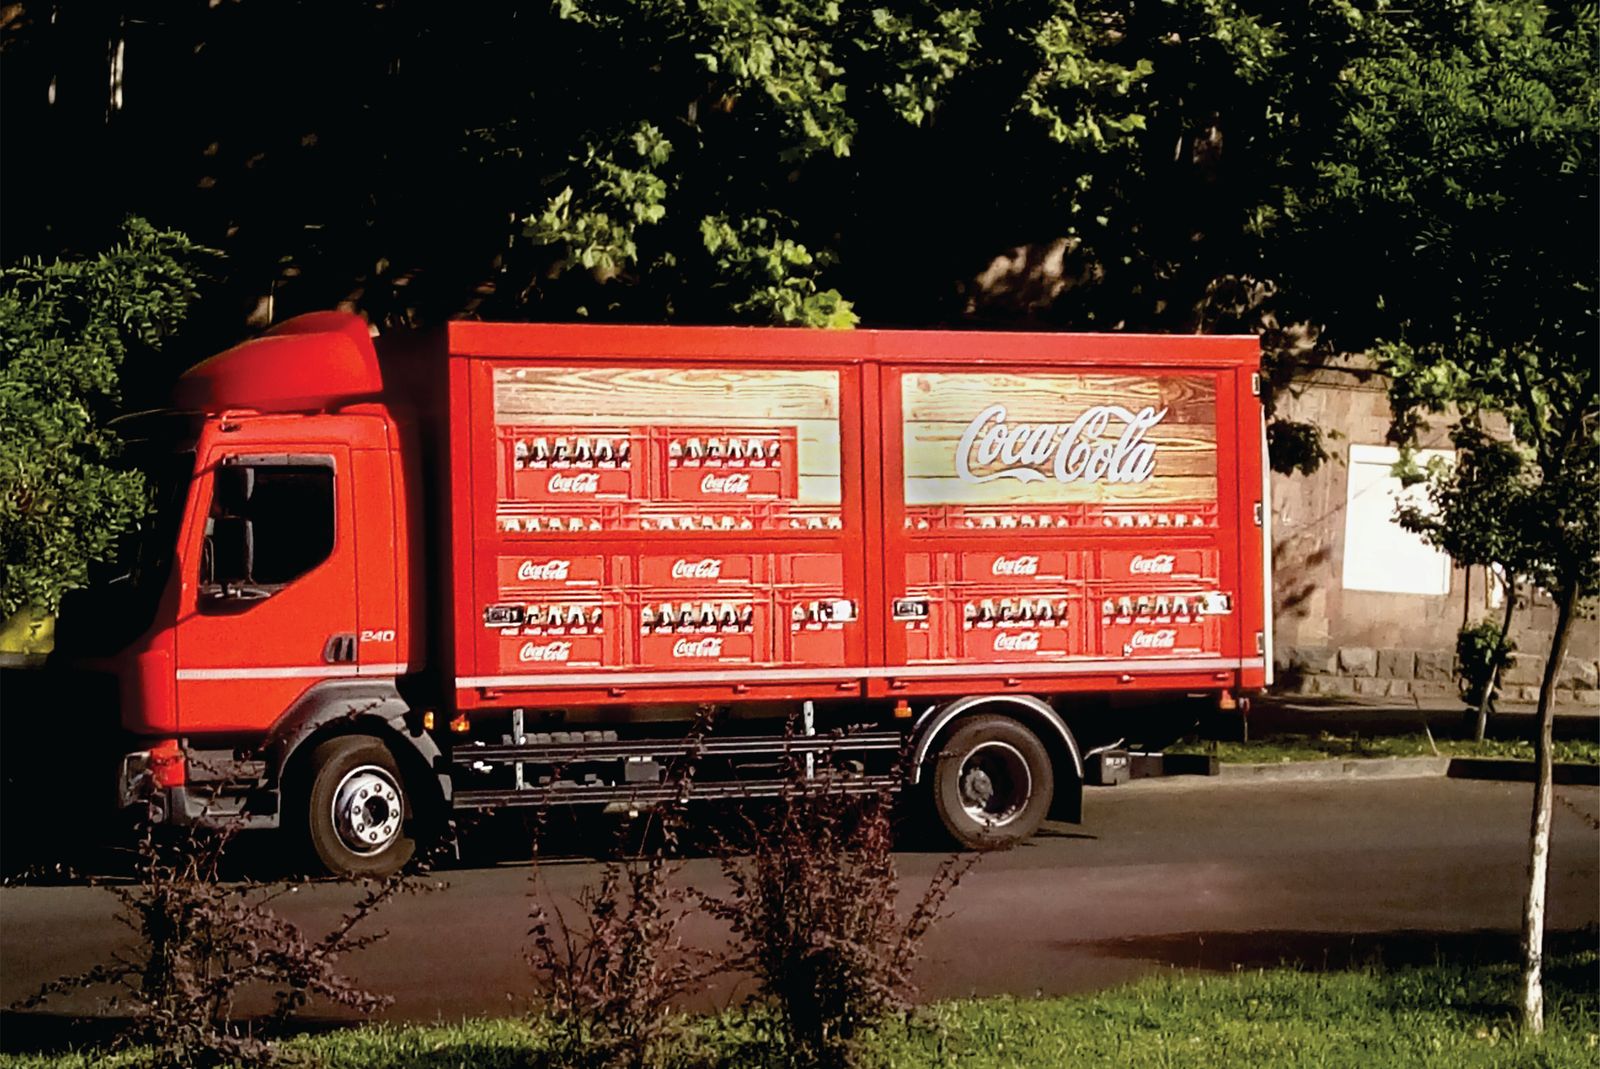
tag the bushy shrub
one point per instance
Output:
(1481, 658)
(608, 984)
(813, 911)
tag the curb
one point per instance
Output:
(1565, 774)
(1503, 770)
(1336, 768)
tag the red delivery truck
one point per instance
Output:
(520, 572)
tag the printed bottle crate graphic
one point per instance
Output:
(542, 573)
(811, 569)
(572, 465)
(694, 570)
(688, 632)
(560, 633)
(1176, 620)
(818, 624)
(1002, 625)
(1177, 517)
(1161, 638)
(564, 521)
(1025, 566)
(923, 617)
(728, 466)
(1157, 564)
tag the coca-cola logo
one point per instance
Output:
(586, 482)
(710, 568)
(1016, 642)
(542, 572)
(697, 647)
(1164, 638)
(1160, 564)
(737, 482)
(550, 651)
(1090, 449)
(1016, 566)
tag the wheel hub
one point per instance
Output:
(995, 783)
(367, 810)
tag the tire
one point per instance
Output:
(357, 818)
(992, 782)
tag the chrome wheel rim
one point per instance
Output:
(995, 783)
(367, 810)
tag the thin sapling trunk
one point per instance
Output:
(1539, 835)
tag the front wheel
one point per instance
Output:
(992, 783)
(356, 808)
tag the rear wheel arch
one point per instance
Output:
(1066, 757)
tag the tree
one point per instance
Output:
(1476, 508)
(67, 328)
(1092, 165)
(1467, 157)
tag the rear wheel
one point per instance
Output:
(992, 782)
(357, 813)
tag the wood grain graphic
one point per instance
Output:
(939, 408)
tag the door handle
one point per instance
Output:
(340, 648)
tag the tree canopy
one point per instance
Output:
(67, 329)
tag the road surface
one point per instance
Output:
(1162, 874)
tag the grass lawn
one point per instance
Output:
(1325, 745)
(1441, 1017)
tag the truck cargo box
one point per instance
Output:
(647, 514)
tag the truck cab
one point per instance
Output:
(283, 610)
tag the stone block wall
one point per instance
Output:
(1424, 675)
(1332, 640)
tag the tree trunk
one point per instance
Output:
(1539, 833)
(1481, 725)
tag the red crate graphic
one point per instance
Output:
(693, 569)
(570, 465)
(729, 466)
(1160, 638)
(1025, 566)
(1015, 643)
(533, 573)
(552, 652)
(694, 630)
(1156, 564)
(812, 569)
(725, 486)
(571, 485)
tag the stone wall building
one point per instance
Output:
(1364, 608)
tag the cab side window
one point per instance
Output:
(271, 521)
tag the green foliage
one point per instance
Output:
(1481, 657)
(66, 330)
(1470, 140)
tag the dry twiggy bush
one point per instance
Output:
(814, 917)
(608, 985)
(201, 942)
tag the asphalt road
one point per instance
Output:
(1162, 874)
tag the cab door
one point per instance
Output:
(268, 599)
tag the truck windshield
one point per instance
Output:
(120, 600)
